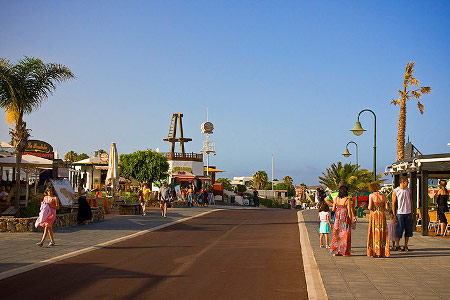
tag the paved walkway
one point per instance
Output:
(423, 273)
(19, 249)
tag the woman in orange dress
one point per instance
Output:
(378, 235)
(48, 215)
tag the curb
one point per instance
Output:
(315, 287)
(33, 266)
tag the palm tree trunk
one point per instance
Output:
(401, 132)
(17, 190)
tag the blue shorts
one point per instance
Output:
(404, 223)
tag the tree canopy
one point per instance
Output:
(356, 179)
(72, 156)
(144, 166)
(260, 180)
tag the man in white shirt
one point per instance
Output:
(403, 215)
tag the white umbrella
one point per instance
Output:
(112, 178)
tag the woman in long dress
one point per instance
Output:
(84, 210)
(378, 234)
(341, 242)
(442, 207)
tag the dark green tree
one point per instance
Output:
(260, 180)
(81, 156)
(149, 166)
(70, 157)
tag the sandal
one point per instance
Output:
(397, 248)
(406, 249)
(39, 244)
(321, 246)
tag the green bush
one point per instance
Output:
(32, 210)
(132, 198)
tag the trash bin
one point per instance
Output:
(359, 212)
(233, 199)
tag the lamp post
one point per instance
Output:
(347, 154)
(358, 130)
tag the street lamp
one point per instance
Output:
(358, 130)
(347, 154)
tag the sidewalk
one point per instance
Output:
(19, 249)
(422, 273)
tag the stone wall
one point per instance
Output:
(10, 224)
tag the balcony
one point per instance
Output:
(186, 156)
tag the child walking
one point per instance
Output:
(391, 230)
(325, 225)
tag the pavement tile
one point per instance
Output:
(399, 277)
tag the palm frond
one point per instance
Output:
(420, 106)
(425, 90)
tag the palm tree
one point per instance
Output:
(404, 96)
(70, 157)
(23, 87)
(355, 177)
(260, 180)
(287, 180)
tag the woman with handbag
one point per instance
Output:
(341, 242)
(47, 216)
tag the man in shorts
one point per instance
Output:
(164, 198)
(403, 215)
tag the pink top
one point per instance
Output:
(323, 216)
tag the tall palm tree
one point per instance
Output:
(260, 180)
(355, 177)
(404, 96)
(23, 87)
(287, 180)
(70, 157)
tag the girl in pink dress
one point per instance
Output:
(47, 215)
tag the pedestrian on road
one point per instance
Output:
(205, 198)
(401, 196)
(293, 203)
(84, 210)
(255, 198)
(342, 232)
(145, 197)
(190, 196)
(164, 195)
(47, 215)
(442, 206)
(325, 224)
(378, 235)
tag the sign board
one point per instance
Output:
(207, 127)
(64, 191)
(63, 172)
(39, 149)
(104, 157)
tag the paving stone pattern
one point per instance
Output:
(423, 273)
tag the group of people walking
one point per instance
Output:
(380, 234)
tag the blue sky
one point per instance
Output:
(281, 77)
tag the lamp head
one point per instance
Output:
(346, 153)
(357, 130)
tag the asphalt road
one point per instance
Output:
(231, 254)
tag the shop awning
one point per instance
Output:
(101, 167)
(212, 170)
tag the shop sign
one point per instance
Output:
(207, 127)
(104, 157)
(39, 149)
(180, 169)
(63, 172)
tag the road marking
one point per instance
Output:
(314, 283)
(42, 263)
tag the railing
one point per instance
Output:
(186, 156)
